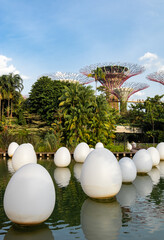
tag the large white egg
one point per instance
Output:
(154, 155)
(101, 174)
(160, 148)
(81, 152)
(24, 154)
(143, 185)
(143, 161)
(128, 169)
(101, 220)
(127, 195)
(11, 148)
(30, 195)
(62, 176)
(62, 157)
(99, 145)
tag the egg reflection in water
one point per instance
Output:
(30, 195)
(24, 154)
(160, 148)
(128, 169)
(62, 157)
(143, 161)
(62, 176)
(10, 166)
(81, 152)
(161, 169)
(11, 148)
(143, 185)
(154, 155)
(41, 233)
(101, 174)
(127, 195)
(77, 170)
(101, 220)
(155, 175)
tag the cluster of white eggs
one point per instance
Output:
(30, 194)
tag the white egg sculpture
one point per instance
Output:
(101, 174)
(11, 148)
(24, 154)
(91, 149)
(30, 195)
(134, 145)
(160, 148)
(101, 220)
(154, 155)
(62, 157)
(143, 161)
(128, 169)
(62, 176)
(127, 195)
(81, 152)
(99, 145)
(129, 146)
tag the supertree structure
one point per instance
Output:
(71, 77)
(125, 91)
(156, 77)
(112, 75)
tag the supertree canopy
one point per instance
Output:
(125, 91)
(112, 75)
(71, 77)
(156, 77)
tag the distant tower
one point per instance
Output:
(156, 77)
(112, 75)
(125, 91)
(71, 77)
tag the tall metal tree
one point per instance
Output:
(156, 77)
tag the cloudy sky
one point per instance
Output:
(40, 37)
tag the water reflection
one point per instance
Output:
(161, 169)
(127, 195)
(77, 170)
(144, 185)
(62, 176)
(155, 175)
(101, 220)
(29, 233)
(10, 166)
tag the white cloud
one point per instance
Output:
(6, 68)
(140, 93)
(149, 56)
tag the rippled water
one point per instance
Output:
(136, 212)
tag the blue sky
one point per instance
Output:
(40, 37)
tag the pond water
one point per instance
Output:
(137, 212)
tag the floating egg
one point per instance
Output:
(81, 152)
(62, 157)
(30, 195)
(101, 174)
(127, 195)
(77, 170)
(144, 185)
(143, 161)
(99, 145)
(24, 154)
(128, 169)
(154, 155)
(129, 146)
(101, 220)
(155, 175)
(160, 148)
(62, 176)
(11, 148)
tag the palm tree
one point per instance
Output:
(98, 73)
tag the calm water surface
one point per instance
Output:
(136, 212)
